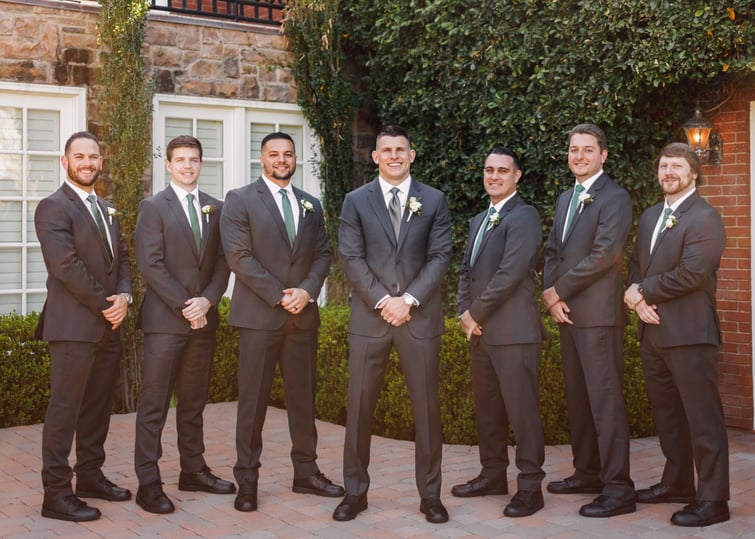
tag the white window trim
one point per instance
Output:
(235, 114)
(73, 117)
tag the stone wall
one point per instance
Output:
(49, 42)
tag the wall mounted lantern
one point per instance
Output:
(706, 142)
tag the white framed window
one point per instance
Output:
(230, 132)
(35, 122)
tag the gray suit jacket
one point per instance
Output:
(258, 252)
(499, 289)
(377, 265)
(679, 276)
(173, 270)
(586, 266)
(79, 277)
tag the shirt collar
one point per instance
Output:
(181, 192)
(591, 180)
(681, 199)
(498, 207)
(79, 191)
(386, 187)
(274, 187)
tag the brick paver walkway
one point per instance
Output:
(393, 502)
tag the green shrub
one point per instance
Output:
(24, 379)
(24, 371)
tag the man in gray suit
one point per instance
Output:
(275, 242)
(583, 292)
(179, 254)
(673, 289)
(395, 248)
(88, 294)
(499, 315)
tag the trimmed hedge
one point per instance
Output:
(24, 380)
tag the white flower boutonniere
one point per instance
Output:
(414, 206)
(671, 222)
(586, 199)
(208, 210)
(495, 220)
(112, 212)
(306, 206)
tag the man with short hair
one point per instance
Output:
(180, 256)
(673, 290)
(499, 316)
(88, 294)
(583, 293)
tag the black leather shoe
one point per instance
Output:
(104, 489)
(350, 507)
(524, 503)
(204, 481)
(479, 486)
(151, 498)
(246, 499)
(664, 494)
(572, 485)
(607, 506)
(69, 508)
(701, 513)
(433, 510)
(319, 485)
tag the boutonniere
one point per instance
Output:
(671, 222)
(414, 206)
(306, 206)
(208, 210)
(112, 212)
(586, 199)
(495, 220)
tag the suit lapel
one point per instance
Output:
(87, 214)
(377, 201)
(501, 216)
(267, 199)
(174, 203)
(298, 195)
(406, 217)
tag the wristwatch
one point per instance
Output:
(408, 300)
(640, 289)
(127, 297)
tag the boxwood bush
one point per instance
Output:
(25, 372)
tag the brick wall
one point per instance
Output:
(727, 187)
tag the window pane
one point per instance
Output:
(211, 178)
(210, 134)
(257, 133)
(43, 175)
(34, 301)
(10, 175)
(173, 128)
(11, 129)
(10, 268)
(36, 273)
(43, 130)
(10, 303)
(10, 222)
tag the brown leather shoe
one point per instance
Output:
(572, 485)
(659, 493)
(701, 513)
(479, 486)
(204, 481)
(69, 508)
(319, 485)
(103, 489)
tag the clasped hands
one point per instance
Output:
(469, 325)
(116, 313)
(395, 311)
(196, 311)
(294, 300)
(636, 301)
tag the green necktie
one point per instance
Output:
(194, 221)
(481, 234)
(288, 216)
(100, 226)
(666, 213)
(573, 207)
